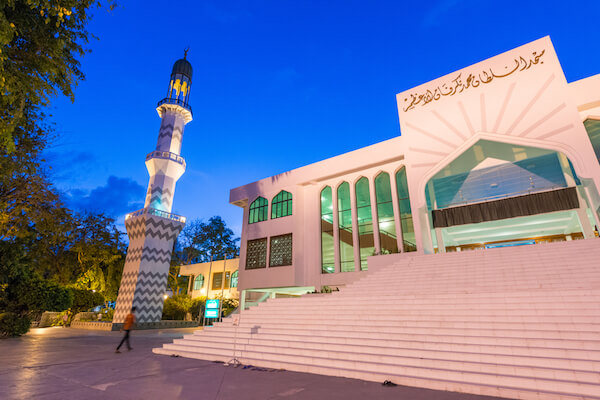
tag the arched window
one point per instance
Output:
(281, 206)
(234, 279)
(385, 214)
(258, 210)
(366, 242)
(345, 228)
(327, 255)
(406, 221)
(199, 282)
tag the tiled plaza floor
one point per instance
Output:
(59, 363)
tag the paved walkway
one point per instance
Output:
(59, 363)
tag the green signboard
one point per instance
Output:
(214, 303)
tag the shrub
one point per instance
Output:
(177, 307)
(12, 324)
(108, 314)
(197, 308)
(229, 305)
(59, 320)
(84, 299)
(23, 293)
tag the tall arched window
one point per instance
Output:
(199, 282)
(385, 214)
(406, 221)
(259, 210)
(234, 279)
(345, 228)
(327, 254)
(281, 205)
(366, 240)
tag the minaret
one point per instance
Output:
(153, 229)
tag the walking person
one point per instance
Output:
(127, 326)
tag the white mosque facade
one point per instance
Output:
(502, 153)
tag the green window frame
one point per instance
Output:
(406, 219)
(327, 253)
(385, 214)
(259, 210)
(345, 240)
(199, 282)
(234, 279)
(281, 205)
(366, 238)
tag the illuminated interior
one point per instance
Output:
(490, 171)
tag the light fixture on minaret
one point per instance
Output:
(153, 229)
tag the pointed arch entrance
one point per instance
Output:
(499, 194)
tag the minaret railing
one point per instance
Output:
(167, 155)
(176, 102)
(158, 213)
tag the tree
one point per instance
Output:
(100, 254)
(200, 242)
(40, 43)
(41, 245)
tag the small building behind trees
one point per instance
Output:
(213, 279)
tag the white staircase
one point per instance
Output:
(520, 322)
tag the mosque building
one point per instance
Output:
(464, 250)
(501, 153)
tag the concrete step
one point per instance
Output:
(357, 338)
(382, 331)
(475, 361)
(467, 351)
(437, 378)
(593, 318)
(517, 296)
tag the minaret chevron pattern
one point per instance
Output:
(168, 131)
(153, 226)
(146, 268)
(143, 290)
(159, 196)
(148, 254)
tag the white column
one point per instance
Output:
(440, 240)
(396, 207)
(374, 215)
(584, 220)
(591, 199)
(336, 233)
(355, 236)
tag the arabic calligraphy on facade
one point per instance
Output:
(460, 84)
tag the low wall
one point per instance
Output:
(164, 324)
(92, 325)
(109, 326)
(84, 315)
(48, 318)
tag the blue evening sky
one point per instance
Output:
(277, 85)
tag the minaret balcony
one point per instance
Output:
(176, 102)
(158, 213)
(177, 105)
(166, 155)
